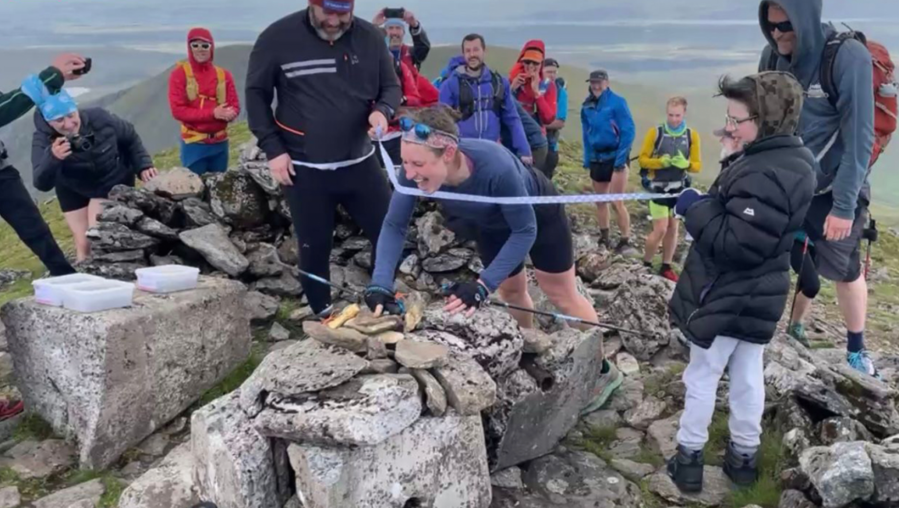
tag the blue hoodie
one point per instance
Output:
(845, 166)
(484, 123)
(608, 129)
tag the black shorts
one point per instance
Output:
(602, 171)
(553, 251)
(836, 261)
(71, 199)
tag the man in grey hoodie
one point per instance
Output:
(841, 135)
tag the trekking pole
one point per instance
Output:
(326, 282)
(563, 317)
(799, 278)
(870, 234)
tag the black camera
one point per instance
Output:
(85, 69)
(79, 143)
(394, 13)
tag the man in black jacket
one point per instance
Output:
(396, 32)
(734, 287)
(336, 86)
(16, 206)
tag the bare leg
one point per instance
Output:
(659, 232)
(670, 243)
(561, 290)
(514, 291)
(602, 209)
(853, 300)
(78, 224)
(619, 184)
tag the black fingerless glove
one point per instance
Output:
(376, 295)
(473, 294)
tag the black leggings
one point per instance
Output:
(313, 198)
(808, 281)
(17, 208)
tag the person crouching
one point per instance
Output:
(736, 281)
(84, 154)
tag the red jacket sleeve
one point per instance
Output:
(429, 93)
(546, 105)
(410, 88)
(181, 108)
(231, 96)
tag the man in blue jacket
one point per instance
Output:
(840, 132)
(484, 99)
(608, 130)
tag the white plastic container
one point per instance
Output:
(49, 291)
(98, 296)
(167, 278)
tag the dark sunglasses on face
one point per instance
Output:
(529, 63)
(783, 27)
(200, 45)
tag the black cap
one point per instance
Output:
(551, 62)
(599, 75)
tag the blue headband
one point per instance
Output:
(394, 22)
(58, 106)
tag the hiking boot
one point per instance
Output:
(325, 315)
(685, 469)
(669, 274)
(862, 362)
(797, 332)
(609, 381)
(624, 248)
(605, 243)
(742, 469)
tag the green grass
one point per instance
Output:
(37, 488)
(719, 435)
(114, 489)
(32, 427)
(235, 378)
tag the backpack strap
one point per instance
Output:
(771, 61)
(689, 135)
(660, 132)
(221, 92)
(829, 59)
(466, 97)
(192, 87)
(499, 93)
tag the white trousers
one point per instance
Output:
(745, 364)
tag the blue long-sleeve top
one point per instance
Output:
(495, 172)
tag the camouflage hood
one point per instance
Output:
(780, 103)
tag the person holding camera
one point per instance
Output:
(16, 206)
(394, 22)
(84, 154)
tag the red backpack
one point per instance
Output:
(885, 106)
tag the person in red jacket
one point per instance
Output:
(536, 95)
(204, 100)
(412, 98)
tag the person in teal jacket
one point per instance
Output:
(609, 131)
(554, 130)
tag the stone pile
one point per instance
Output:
(238, 224)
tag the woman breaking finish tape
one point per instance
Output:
(434, 158)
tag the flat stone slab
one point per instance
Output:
(469, 389)
(421, 355)
(364, 411)
(88, 491)
(715, 488)
(438, 462)
(307, 366)
(111, 379)
(33, 459)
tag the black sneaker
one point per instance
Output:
(742, 469)
(685, 469)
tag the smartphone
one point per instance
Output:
(395, 13)
(85, 69)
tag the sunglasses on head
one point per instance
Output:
(200, 45)
(421, 131)
(783, 27)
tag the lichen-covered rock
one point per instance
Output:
(364, 411)
(885, 464)
(264, 261)
(235, 197)
(234, 465)
(112, 236)
(469, 389)
(171, 483)
(156, 229)
(436, 462)
(213, 244)
(305, 367)
(177, 184)
(110, 380)
(121, 214)
(490, 336)
(284, 286)
(197, 213)
(841, 473)
(159, 208)
(433, 236)
(641, 304)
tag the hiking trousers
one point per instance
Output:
(17, 209)
(745, 368)
(364, 193)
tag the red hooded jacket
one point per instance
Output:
(197, 115)
(544, 104)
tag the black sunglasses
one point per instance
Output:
(783, 27)
(200, 45)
